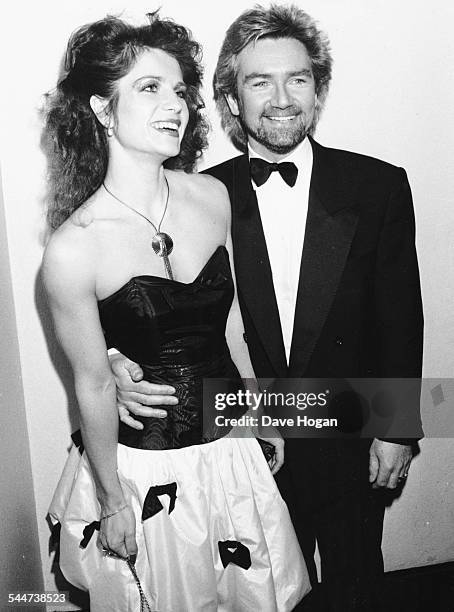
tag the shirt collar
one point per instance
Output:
(301, 156)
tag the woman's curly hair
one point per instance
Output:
(98, 55)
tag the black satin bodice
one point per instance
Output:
(176, 332)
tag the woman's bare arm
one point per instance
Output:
(69, 277)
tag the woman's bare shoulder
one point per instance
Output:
(70, 253)
(202, 189)
(203, 183)
(77, 236)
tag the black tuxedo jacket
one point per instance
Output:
(358, 311)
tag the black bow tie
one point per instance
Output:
(261, 170)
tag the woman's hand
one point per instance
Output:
(117, 533)
(272, 436)
(268, 434)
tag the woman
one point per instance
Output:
(139, 260)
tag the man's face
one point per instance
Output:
(276, 95)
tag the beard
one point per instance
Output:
(279, 139)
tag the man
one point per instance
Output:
(327, 281)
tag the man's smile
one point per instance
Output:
(278, 118)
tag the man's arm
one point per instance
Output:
(399, 321)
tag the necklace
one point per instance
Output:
(161, 242)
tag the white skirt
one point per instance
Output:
(225, 492)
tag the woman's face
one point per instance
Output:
(152, 114)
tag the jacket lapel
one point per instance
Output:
(330, 227)
(252, 266)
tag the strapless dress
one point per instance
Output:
(212, 530)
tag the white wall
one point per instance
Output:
(390, 98)
(20, 567)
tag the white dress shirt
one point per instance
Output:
(283, 211)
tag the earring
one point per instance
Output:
(110, 131)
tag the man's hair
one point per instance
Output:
(98, 55)
(275, 22)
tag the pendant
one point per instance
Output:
(162, 244)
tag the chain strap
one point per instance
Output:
(144, 605)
